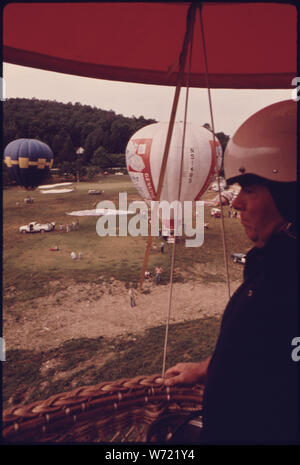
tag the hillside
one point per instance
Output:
(68, 127)
(84, 139)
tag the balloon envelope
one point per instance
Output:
(144, 154)
(28, 161)
(250, 45)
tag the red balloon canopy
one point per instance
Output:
(249, 45)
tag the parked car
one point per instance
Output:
(239, 257)
(28, 200)
(94, 192)
(215, 212)
(37, 227)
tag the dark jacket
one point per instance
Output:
(252, 390)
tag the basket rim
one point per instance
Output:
(100, 401)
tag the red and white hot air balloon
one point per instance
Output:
(144, 154)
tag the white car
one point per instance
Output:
(37, 227)
(94, 192)
(239, 258)
(215, 212)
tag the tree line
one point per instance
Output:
(103, 135)
(84, 139)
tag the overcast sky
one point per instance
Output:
(230, 107)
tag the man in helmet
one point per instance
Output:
(251, 385)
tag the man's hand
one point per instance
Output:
(187, 373)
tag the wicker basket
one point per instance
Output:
(120, 411)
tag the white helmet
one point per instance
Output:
(265, 145)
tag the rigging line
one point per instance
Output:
(214, 141)
(176, 216)
(190, 21)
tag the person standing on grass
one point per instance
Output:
(132, 296)
(158, 272)
(251, 384)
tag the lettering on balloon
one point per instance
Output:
(149, 185)
(192, 158)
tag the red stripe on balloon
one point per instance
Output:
(209, 177)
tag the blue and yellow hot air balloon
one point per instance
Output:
(28, 162)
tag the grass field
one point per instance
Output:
(29, 266)
(31, 375)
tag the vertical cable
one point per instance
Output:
(214, 140)
(182, 61)
(176, 216)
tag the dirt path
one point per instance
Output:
(90, 311)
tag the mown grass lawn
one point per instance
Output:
(28, 263)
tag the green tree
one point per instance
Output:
(101, 158)
(120, 135)
(223, 139)
(65, 127)
(91, 171)
(9, 132)
(67, 152)
(62, 147)
(92, 142)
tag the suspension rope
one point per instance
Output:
(176, 216)
(187, 47)
(182, 61)
(214, 141)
